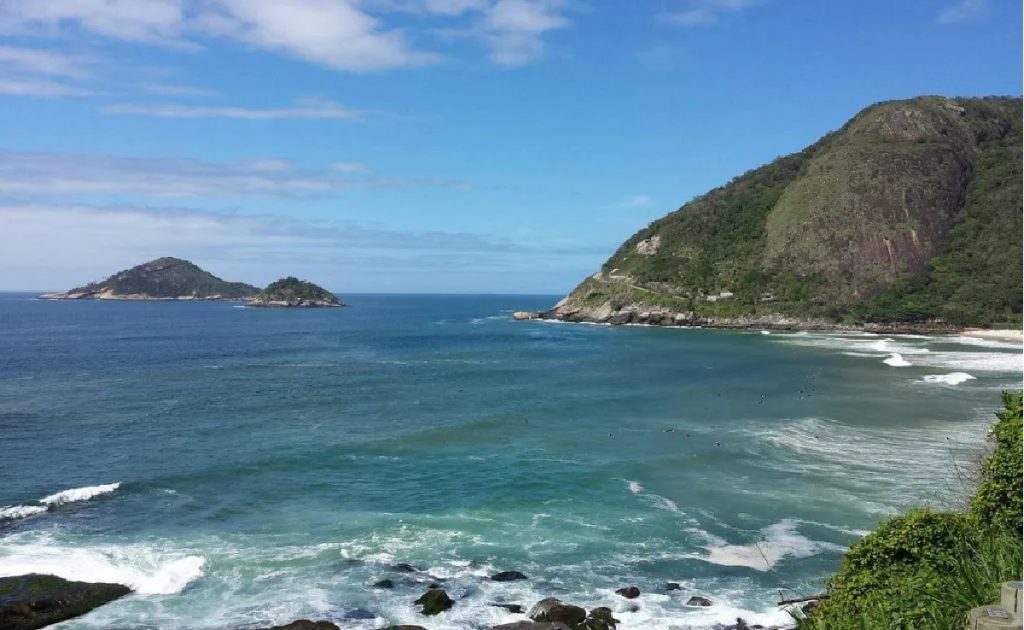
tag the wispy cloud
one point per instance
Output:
(68, 175)
(42, 72)
(338, 34)
(702, 12)
(306, 109)
(170, 89)
(633, 201)
(961, 11)
(58, 246)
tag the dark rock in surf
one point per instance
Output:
(600, 618)
(697, 600)
(672, 586)
(385, 583)
(509, 576)
(515, 609)
(33, 601)
(402, 567)
(551, 609)
(629, 592)
(434, 601)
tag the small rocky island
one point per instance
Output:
(161, 279)
(292, 292)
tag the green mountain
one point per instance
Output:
(291, 291)
(161, 279)
(910, 213)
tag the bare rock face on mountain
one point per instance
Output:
(910, 213)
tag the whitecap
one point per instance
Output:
(635, 487)
(778, 541)
(146, 570)
(896, 360)
(79, 494)
(954, 378)
(11, 512)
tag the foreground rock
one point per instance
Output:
(292, 292)
(697, 600)
(551, 609)
(34, 601)
(435, 601)
(161, 279)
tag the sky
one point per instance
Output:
(435, 146)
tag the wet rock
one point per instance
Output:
(434, 601)
(402, 567)
(697, 600)
(33, 600)
(599, 618)
(306, 624)
(672, 586)
(509, 576)
(551, 609)
(385, 583)
(532, 625)
(515, 609)
(629, 592)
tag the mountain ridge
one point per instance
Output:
(908, 216)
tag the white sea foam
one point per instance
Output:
(79, 494)
(765, 332)
(635, 487)
(144, 569)
(12, 512)
(896, 360)
(778, 541)
(954, 378)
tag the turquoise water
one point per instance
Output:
(239, 466)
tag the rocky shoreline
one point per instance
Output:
(637, 314)
(137, 297)
(34, 601)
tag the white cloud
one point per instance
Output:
(961, 11)
(42, 72)
(171, 89)
(515, 28)
(333, 33)
(19, 86)
(64, 175)
(350, 167)
(701, 12)
(338, 34)
(307, 109)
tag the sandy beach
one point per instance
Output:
(1009, 334)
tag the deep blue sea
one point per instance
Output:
(241, 467)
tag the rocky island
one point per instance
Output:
(906, 219)
(161, 279)
(292, 292)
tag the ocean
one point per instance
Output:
(243, 467)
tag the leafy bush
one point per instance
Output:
(927, 569)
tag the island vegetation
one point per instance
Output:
(293, 292)
(160, 279)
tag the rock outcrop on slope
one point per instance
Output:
(910, 214)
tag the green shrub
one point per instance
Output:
(925, 570)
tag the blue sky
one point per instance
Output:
(501, 146)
